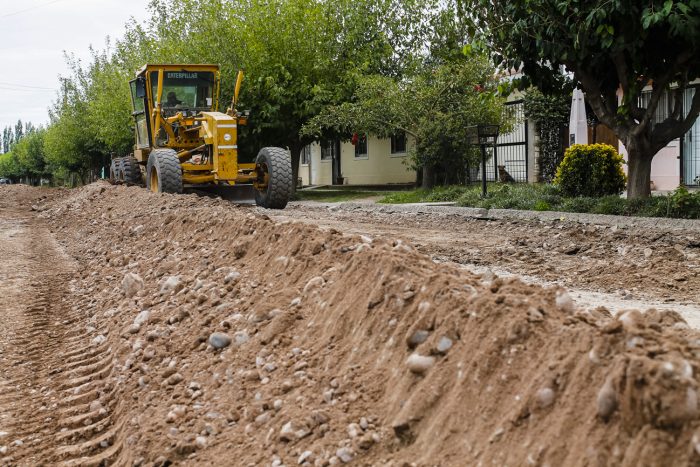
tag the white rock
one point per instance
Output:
(545, 397)
(200, 442)
(219, 340)
(354, 430)
(290, 432)
(444, 344)
(345, 455)
(142, 318)
(314, 283)
(418, 337)
(232, 277)
(3, 450)
(263, 418)
(277, 405)
(99, 339)
(419, 364)
(305, 456)
(171, 283)
(241, 337)
(131, 284)
(564, 302)
(607, 400)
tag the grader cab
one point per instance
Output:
(183, 141)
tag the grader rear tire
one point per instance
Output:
(130, 170)
(274, 184)
(163, 172)
(114, 170)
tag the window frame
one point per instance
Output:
(393, 137)
(306, 155)
(362, 155)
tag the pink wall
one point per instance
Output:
(665, 167)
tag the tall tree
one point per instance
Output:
(7, 139)
(623, 45)
(19, 131)
(434, 107)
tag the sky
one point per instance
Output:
(33, 37)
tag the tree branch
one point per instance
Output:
(670, 129)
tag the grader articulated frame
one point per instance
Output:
(183, 141)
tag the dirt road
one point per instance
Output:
(152, 330)
(621, 267)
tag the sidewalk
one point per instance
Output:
(655, 223)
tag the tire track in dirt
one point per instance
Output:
(56, 399)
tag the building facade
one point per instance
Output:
(369, 161)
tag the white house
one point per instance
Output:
(378, 161)
(371, 161)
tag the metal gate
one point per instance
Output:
(690, 146)
(511, 149)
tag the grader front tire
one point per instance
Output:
(114, 175)
(130, 171)
(274, 185)
(163, 172)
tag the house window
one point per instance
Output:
(306, 155)
(328, 151)
(398, 143)
(361, 147)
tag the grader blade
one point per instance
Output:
(239, 194)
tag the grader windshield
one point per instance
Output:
(185, 90)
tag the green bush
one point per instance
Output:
(591, 170)
(579, 204)
(682, 203)
(613, 205)
(542, 205)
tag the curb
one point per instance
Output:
(653, 223)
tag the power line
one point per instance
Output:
(5, 88)
(29, 9)
(28, 86)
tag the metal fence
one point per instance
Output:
(510, 151)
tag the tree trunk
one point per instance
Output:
(295, 151)
(428, 177)
(639, 158)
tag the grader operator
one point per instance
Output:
(183, 141)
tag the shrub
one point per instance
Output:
(578, 204)
(682, 203)
(542, 205)
(591, 170)
(613, 205)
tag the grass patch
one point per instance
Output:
(334, 196)
(543, 197)
(437, 194)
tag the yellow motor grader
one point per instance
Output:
(183, 141)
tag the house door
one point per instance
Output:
(336, 164)
(690, 150)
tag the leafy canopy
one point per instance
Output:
(434, 107)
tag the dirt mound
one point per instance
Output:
(229, 339)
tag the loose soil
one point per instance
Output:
(650, 264)
(144, 329)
